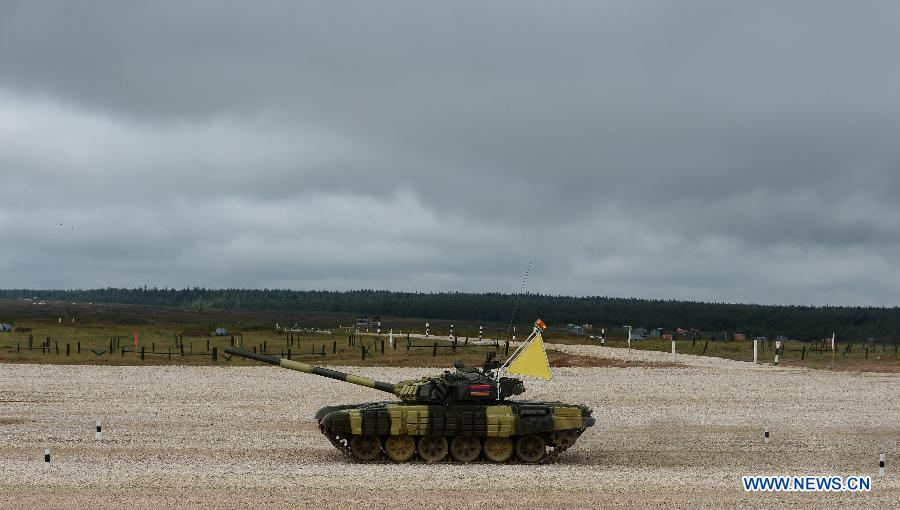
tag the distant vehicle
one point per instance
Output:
(221, 332)
(5, 328)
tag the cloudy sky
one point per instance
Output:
(724, 151)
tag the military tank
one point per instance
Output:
(466, 414)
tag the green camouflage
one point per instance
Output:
(463, 415)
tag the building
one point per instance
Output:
(740, 336)
(668, 336)
(5, 328)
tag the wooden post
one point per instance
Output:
(705, 346)
(334, 347)
(142, 352)
(170, 353)
(265, 347)
(215, 354)
(67, 349)
(382, 346)
(362, 349)
(506, 349)
(56, 344)
(289, 353)
(434, 352)
(803, 353)
(867, 352)
(181, 346)
(207, 344)
(78, 347)
(153, 347)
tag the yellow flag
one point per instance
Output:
(532, 361)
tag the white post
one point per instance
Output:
(766, 435)
(479, 333)
(673, 345)
(881, 465)
(451, 332)
(755, 351)
(629, 337)
(777, 350)
(98, 435)
(426, 329)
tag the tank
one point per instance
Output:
(464, 415)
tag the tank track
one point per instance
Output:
(342, 443)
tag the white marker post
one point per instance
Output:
(755, 350)
(451, 332)
(426, 329)
(766, 435)
(480, 331)
(777, 350)
(881, 465)
(46, 458)
(391, 338)
(629, 336)
(98, 435)
(673, 345)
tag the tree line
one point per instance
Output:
(801, 322)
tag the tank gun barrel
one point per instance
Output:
(310, 369)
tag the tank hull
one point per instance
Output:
(556, 424)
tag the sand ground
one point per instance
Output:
(678, 437)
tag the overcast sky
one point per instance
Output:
(716, 151)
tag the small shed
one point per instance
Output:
(5, 328)
(221, 332)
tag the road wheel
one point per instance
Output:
(365, 447)
(498, 449)
(432, 448)
(400, 448)
(465, 448)
(530, 448)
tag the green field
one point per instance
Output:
(84, 333)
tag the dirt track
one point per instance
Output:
(244, 437)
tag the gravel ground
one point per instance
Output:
(244, 437)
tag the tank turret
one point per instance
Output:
(466, 384)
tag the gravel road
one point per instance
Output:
(244, 437)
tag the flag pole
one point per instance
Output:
(517, 351)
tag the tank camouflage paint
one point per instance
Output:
(463, 415)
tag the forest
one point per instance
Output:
(800, 322)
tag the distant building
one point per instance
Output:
(762, 338)
(575, 328)
(781, 338)
(221, 332)
(667, 336)
(639, 334)
(5, 328)
(740, 336)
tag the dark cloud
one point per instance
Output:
(695, 150)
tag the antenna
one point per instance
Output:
(519, 296)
